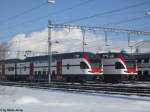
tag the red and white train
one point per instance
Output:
(118, 66)
(76, 66)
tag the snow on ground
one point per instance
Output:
(34, 100)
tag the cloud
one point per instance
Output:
(69, 41)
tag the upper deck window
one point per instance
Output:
(146, 60)
(11, 68)
(139, 61)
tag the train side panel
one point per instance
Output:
(23, 71)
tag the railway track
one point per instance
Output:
(86, 88)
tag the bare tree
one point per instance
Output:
(4, 47)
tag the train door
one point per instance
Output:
(31, 72)
(3, 72)
(59, 70)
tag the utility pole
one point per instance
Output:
(83, 41)
(49, 51)
(106, 40)
(129, 43)
(49, 45)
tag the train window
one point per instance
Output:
(139, 72)
(83, 65)
(105, 56)
(35, 73)
(76, 56)
(53, 72)
(39, 72)
(119, 65)
(11, 69)
(145, 72)
(44, 72)
(25, 68)
(146, 60)
(68, 66)
(139, 61)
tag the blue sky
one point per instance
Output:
(10, 27)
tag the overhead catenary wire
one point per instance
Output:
(46, 16)
(78, 19)
(23, 13)
(126, 21)
(72, 7)
(108, 29)
(105, 13)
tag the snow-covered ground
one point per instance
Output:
(34, 100)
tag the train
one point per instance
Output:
(119, 67)
(143, 61)
(75, 66)
(72, 67)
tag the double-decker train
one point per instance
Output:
(76, 66)
(118, 66)
(143, 61)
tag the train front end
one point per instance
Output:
(118, 67)
(131, 65)
(95, 70)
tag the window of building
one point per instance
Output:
(119, 65)
(83, 65)
(146, 60)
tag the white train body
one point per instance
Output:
(143, 60)
(118, 66)
(110, 68)
(67, 66)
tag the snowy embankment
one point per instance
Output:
(33, 100)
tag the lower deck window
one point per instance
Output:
(44, 72)
(146, 72)
(68, 66)
(35, 73)
(146, 60)
(140, 72)
(39, 72)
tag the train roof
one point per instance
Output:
(127, 56)
(141, 55)
(10, 61)
(58, 56)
